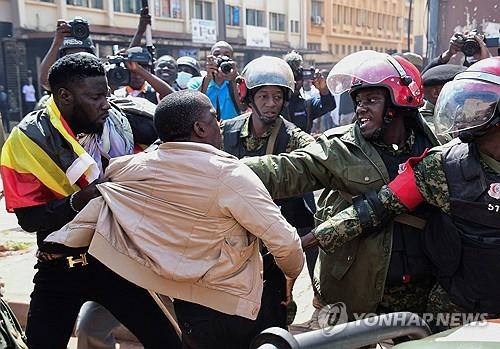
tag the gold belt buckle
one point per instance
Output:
(72, 262)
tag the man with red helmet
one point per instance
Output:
(461, 179)
(384, 270)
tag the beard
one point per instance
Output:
(268, 120)
(88, 127)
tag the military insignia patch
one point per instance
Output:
(494, 191)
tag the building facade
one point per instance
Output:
(253, 27)
(337, 28)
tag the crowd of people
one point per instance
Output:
(197, 184)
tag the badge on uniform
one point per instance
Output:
(494, 191)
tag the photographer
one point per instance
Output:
(70, 37)
(471, 44)
(142, 82)
(300, 111)
(219, 84)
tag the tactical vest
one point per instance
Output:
(296, 210)
(464, 245)
(408, 261)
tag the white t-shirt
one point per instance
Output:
(29, 93)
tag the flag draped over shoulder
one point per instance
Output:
(42, 160)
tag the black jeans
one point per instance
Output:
(205, 328)
(60, 292)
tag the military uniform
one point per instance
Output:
(281, 136)
(298, 138)
(353, 267)
(432, 177)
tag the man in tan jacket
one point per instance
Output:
(185, 221)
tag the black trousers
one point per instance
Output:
(60, 292)
(205, 328)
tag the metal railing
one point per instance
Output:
(350, 335)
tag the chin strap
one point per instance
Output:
(468, 136)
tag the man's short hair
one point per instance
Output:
(219, 44)
(71, 68)
(176, 114)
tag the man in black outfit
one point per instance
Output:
(47, 191)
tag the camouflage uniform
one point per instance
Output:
(431, 182)
(352, 267)
(298, 138)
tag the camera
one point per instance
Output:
(225, 63)
(471, 46)
(305, 74)
(79, 28)
(116, 71)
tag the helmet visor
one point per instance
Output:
(367, 67)
(465, 104)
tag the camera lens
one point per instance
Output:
(471, 47)
(79, 31)
(226, 67)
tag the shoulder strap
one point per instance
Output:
(404, 218)
(308, 115)
(233, 97)
(274, 135)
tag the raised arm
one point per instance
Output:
(62, 29)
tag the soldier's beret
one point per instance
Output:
(441, 74)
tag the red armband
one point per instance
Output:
(404, 186)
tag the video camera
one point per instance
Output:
(304, 74)
(225, 63)
(116, 71)
(79, 28)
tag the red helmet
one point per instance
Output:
(470, 102)
(374, 69)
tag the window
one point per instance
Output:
(203, 10)
(336, 14)
(380, 21)
(276, 21)
(128, 6)
(294, 26)
(232, 15)
(347, 15)
(406, 26)
(84, 3)
(349, 49)
(52, 1)
(399, 22)
(337, 50)
(313, 46)
(316, 8)
(255, 18)
(359, 18)
(168, 8)
(343, 49)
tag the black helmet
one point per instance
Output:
(78, 45)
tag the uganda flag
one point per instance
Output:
(42, 160)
